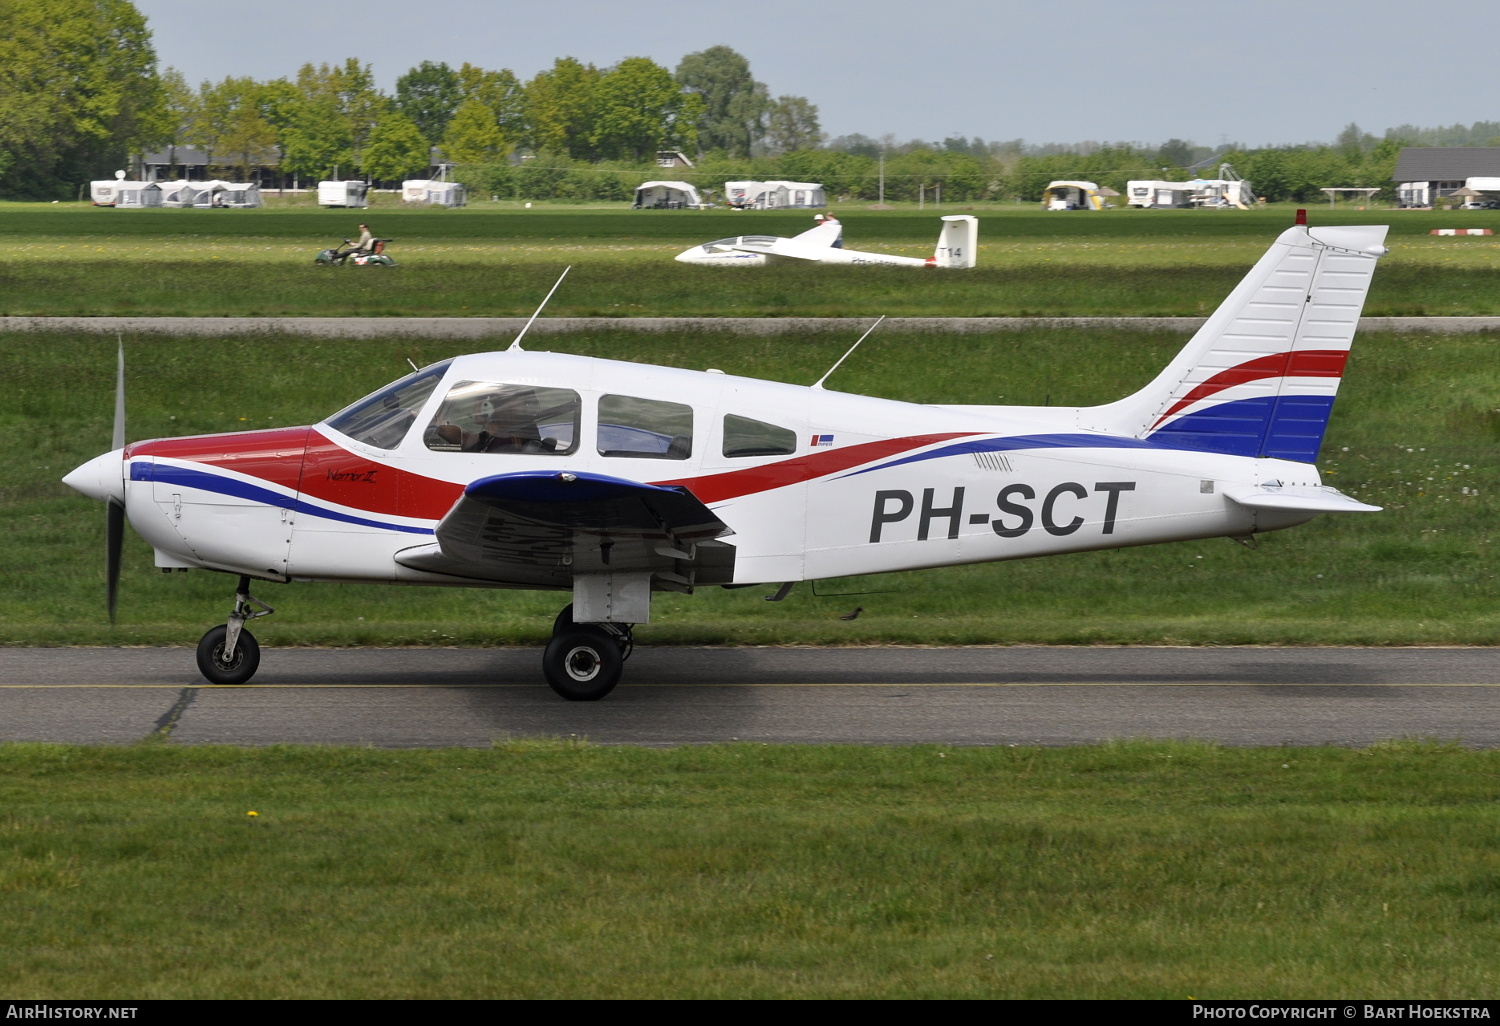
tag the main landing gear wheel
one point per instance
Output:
(238, 668)
(582, 663)
(623, 633)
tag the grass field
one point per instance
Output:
(500, 260)
(554, 869)
(1415, 430)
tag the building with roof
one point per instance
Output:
(1426, 174)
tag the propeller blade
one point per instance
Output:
(114, 542)
(114, 512)
(119, 436)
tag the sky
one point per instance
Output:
(1251, 71)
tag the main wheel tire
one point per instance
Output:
(216, 669)
(565, 622)
(582, 664)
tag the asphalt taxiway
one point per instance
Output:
(958, 696)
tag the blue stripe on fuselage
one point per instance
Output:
(142, 470)
(1014, 442)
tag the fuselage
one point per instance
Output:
(813, 483)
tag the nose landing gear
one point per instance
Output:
(229, 654)
(583, 661)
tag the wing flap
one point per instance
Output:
(541, 528)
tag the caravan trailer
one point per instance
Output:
(1490, 187)
(177, 193)
(438, 193)
(1414, 195)
(667, 196)
(240, 196)
(1072, 195)
(342, 194)
(204, 195)
(1160, 195)
(778, 195)
(102, 192)
(137, 195)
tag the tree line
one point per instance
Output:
(80, 91)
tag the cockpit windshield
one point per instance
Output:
(719, 245)
(383, 418)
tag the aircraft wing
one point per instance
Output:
(540, 528)
(825, 234)
(789, 248)
(1306, 500)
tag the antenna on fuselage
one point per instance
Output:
(819, 382)
(516, 345)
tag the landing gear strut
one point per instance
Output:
(583, 661)
(230, 654)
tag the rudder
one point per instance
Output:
(958, 242)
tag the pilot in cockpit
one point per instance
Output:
(502, 422)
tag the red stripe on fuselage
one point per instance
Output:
(1307, 363)
(303, 460)
(273, 455)
(334, 474)
(735, 483)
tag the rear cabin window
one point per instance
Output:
(644, 428)
(746, 437)
(488, 416)
(382, 419)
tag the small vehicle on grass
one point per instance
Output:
(349, 253)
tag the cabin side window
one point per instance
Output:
(382, 419)
(488, 416)
(746, 437)
(644, 428)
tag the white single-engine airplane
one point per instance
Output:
(614, 480)
(823, 243)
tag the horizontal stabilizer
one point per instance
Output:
(1302, 500)
(541, 528)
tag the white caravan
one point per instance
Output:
(667, 196)
(778, 195)
(437, 193)
(1160, 195)
(343, 194)
(957, 246)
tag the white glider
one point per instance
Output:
(957, 245)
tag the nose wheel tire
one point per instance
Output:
(582, 664)
(216, 669)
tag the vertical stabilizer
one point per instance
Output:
(958, 242)
(1259, 378)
